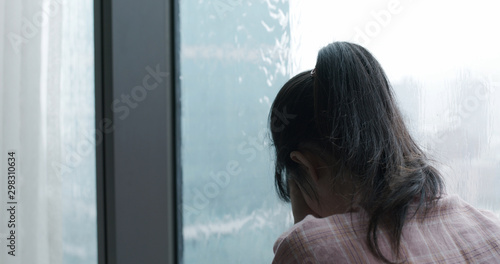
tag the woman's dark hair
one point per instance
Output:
(346, 108)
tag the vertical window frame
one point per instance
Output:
(134, 226)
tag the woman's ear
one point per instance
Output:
(307, 162)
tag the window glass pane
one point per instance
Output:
(47, 116)
(235, 55)
(233, 60)
(78, 183)
(444, 70)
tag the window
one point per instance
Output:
(47, 116)
(233, 58)
(235, 55)
(178, 117)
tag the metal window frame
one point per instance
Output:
(136, 163)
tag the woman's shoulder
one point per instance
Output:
(335, 236)
(453, 230)
(314, 226)
(450, 206)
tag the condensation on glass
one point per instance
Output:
(47, 123)
(234, 58)
(235, 55)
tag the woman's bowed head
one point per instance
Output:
(347, 147)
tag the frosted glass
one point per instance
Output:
(47, 117)
(79, 211)
(234, 57)
(443, 68)
(233, 61)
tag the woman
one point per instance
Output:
(361, 189)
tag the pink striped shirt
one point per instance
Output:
(454, 232)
